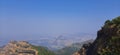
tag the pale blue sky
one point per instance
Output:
(54, 17)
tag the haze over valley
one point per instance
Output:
(59, 27)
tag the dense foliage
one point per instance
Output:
(112, 23)
(112, 45)
(112, 48)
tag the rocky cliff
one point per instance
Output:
(18, 48)
(23, 48)
(107, 41)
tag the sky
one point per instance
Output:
(20, 18)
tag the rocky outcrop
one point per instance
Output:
(18, 48)
(107, 41)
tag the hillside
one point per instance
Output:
(107, 41)
(23, 48)
(69, 50)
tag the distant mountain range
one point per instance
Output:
(62, 40)
(56, 43)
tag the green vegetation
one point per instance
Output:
(43, 50)
(116, 20)
(112, 48)
(112, 45)
(112, 23)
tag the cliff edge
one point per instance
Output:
(107, 41)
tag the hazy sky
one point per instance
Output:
(54, 17)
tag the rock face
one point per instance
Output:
(18, 48)
(107, 41)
